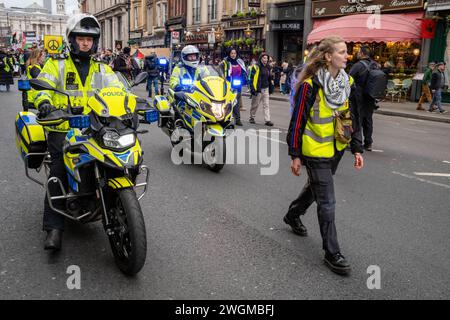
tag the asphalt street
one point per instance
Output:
(221, 236)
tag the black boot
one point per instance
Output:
(337, 263)
(296, 225)
(238, 122)
(53, 240)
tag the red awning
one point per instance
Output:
(355, 28)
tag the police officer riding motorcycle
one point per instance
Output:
(76, 75)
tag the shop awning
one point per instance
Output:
(354, 28)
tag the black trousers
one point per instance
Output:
(52, 219)
(236, 109)
(320, 189)
(367, 126)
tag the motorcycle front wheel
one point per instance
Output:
(215, 155)
(129, 239)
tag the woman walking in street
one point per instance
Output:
(317, 139)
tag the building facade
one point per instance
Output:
(114, 17)
(33, 18)
(176, 25)
(244, 24)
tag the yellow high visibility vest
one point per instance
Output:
(318, 138)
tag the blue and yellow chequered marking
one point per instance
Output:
(27, 131)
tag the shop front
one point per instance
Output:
(285, 37)
(391, 28)
(439, 13)
(175, 36)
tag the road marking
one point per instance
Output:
(374, 150)
(275, 140)
(446, 161)
(421, 180)
(432, 174)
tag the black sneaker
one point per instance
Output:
(238, 122)
(251, 120)
(443, 111)
(337, 263)
(368, 147)
(296, 225)
(269, 123)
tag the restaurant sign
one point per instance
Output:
(330, 8)
(196, 37)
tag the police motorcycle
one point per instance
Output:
(103, 160)
(206, 102)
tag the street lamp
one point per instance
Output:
(248, 32)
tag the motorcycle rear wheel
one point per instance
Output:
(129, 239)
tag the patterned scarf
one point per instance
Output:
(337, 90)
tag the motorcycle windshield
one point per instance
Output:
(208, 71)
(105, 80)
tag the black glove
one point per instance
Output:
(44, 109)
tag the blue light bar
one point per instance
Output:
(186, 82)
(236, 83)
(24, 85)
(151, 115)
(80, 122)
(163, 61)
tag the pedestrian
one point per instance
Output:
(152, 69)
(365, 103)
(6, 69)
(322, 93)
(437, 85)
(426, 81)
(123, 64)
(260, 79)
(234, 68)
(283, 77)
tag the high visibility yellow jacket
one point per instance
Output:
(178, 73)
(63, 75)
(31, 73)
(311, 130)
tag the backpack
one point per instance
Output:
(376, 81)
(151, 65)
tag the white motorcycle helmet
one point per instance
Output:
(188, 50)
(82, 25)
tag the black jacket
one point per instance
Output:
(437, 80)
(300, 115)
(151, 66)
(360, 73)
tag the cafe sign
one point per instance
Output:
(331, 8)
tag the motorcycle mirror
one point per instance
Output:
(141, 77)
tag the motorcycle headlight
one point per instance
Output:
(217, 109)
(112, 139)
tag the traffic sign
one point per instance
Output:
(53, 44)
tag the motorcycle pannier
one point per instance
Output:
(30, 138)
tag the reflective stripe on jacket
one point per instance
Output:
(311, 130)
(62, 74)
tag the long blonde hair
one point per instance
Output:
(34, 57)
(316, 59)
